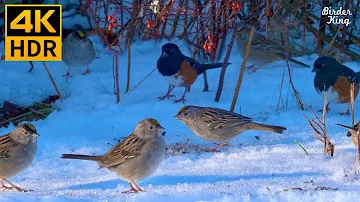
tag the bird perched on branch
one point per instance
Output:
(218, 125)
(135, 158)
(353, 132)
(262, 51)
(179, 70)
(78, 50)
(335, 79)
(17, 152)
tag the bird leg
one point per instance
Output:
(327, 108)
(87, 70)
(214, 149)
(182, 99)
(12, 186)
(346, 111)
(31, 66)
(2, 186)
(137, 186)
(131, 190)
(167, 95)
(252, 68)
(67, 75)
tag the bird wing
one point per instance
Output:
(123, 151)
(193, 63)
(6, 144)
(217, 118)
(347, 72)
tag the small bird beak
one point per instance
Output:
(164, 54)
(176, 117)
(313, 70)
(35, 135)
(161, 127)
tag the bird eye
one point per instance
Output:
(186, 113)
(26, 132)
(151, 127)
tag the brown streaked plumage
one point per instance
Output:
(263, 51)
(135, 158)
(352, 132)
(218, 125)
(17, 152)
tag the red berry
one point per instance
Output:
(206, 47)
(111, 26)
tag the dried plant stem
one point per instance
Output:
(23, 115)
(237, 89)
(358, 139)
(352, 108)
(280, 90)
(142, 80)
(320, 129)
(224, 66)
(87, 14)
(324, 111)
(206, 84)
(129, 69)
(52, 80)
(296, 93)
(117, 83)
(351, 104)
(176, 20)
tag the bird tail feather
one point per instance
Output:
(357, 77)
(204, 67)
(268, 128)
(298, 62)
(81, 157)
(348, 127)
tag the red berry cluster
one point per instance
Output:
(149, 23)
(209, 45)
(113, 22)
(236, 6)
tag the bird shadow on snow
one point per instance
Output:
(173, 180)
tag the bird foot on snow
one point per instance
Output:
(67, 75)
(165, 96)
(180, 100)
(86, 72)
(12, 186)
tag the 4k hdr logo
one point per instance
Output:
(33, 32)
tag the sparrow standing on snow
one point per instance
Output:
(78, 50)
(17, 152)
(135, 158)
(218, 125)
(262, 51)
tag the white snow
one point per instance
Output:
(271, 168)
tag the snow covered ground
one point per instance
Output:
(268, 168)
